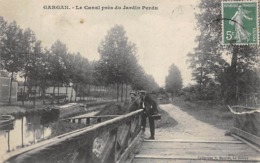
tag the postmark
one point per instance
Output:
(240, 23)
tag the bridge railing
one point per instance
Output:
(108, 141)
(246, 122)
(88, 120)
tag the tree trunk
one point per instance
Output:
(43, 92)
(122, 91)
(58, 100)
(232, 78)
(80, 93)
(103, 92)
(23, 94)
(10, 91)
(76, 90)
(66, 93)
(83, 91)
(89, 94)
(107, 92)
(117, 92)
(125, 92)
(94, 91)
(34, 96)
(71, 93)
(53, 95)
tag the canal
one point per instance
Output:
(35, 127)
(27, 130)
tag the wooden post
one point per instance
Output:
(112, 156)
(73, 120)
(87, 121)
(33, 134)
(8, 140)
(98, 120)
(85, 154)
(22, 131)
(79, 121)
(43, 132)
(130, 134)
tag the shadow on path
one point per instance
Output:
(166, 120)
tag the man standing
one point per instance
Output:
(150, 108)
(134, 103)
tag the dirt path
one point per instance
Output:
(188, 127)
(192, 141)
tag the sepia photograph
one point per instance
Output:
(129, 81)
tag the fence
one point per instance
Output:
(246, 122)
(110, 141)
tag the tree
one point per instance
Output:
(35, 68)
(207, 61)
(3, 28)
(116, 53)
(28, 44)
(59, 53)
(173, 81)
(44, 73)
(12, 56)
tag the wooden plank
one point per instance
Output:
(187, 151)
(197, 141)
(130, 149)
(177, 145)
(246, 135)
(203, 157)
(247, 142)
(139, 160)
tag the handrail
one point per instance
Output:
(84, 117)
(88, 118)
(246, 122)
(252, 110)
(246, 107)
(83, 138)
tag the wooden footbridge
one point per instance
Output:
(121, 140)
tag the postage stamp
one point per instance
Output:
(240, 23)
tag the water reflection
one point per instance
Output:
(27, 130)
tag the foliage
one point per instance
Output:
(210, 67)
(21, 53)
(118, 62)
(117, 56)
(173, 82)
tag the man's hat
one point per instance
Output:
(142, 92)
(132, 93)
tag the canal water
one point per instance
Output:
(27, 130)
(33, 128)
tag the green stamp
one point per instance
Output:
(240, 22)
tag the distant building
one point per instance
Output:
(5, 88)
(70, 91)
(49, 91)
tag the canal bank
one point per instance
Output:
(41, 124)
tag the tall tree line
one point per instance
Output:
(232, 81)
(118, 63)
(21, 53)
(173, 81)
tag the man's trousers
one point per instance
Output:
(151, 123)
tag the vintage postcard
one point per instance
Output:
(136, 81)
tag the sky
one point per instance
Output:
(163, 37)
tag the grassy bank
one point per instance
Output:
(17, 109)
(214, 114)
(61, 127)
(165, 121)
